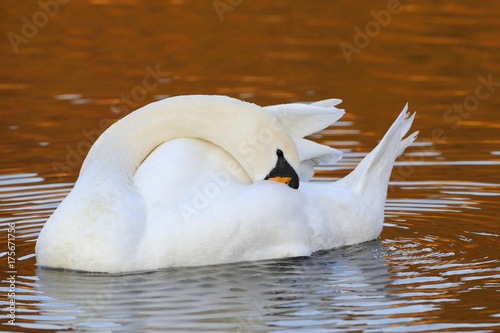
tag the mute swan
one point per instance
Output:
(195, 180)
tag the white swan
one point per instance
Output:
(182, 182)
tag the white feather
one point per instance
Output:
(179, 183)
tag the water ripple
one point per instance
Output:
(395, 284)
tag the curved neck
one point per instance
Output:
(229, 123)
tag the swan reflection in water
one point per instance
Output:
(345, 286)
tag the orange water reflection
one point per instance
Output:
(82, 69)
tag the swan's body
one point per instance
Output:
(180, 182)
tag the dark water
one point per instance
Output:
(69, 69)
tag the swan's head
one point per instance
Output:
(283, 172)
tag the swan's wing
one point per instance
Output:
(300, 120)
(311, 154)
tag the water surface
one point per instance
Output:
(435, 267)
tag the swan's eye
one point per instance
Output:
(279, 152)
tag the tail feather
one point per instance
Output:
(377, 165)
(407, 120)
(391, 144)
(407, 142)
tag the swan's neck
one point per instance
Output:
(228, 123)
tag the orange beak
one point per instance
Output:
(283, 180)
